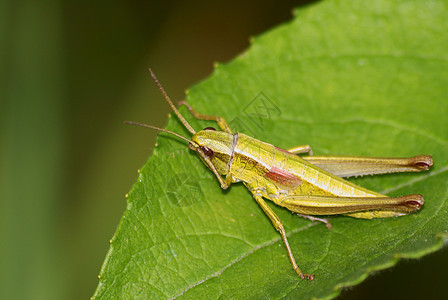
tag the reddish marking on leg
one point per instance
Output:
(283, 177)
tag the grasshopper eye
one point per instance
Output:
(208, 152)
(209, 128)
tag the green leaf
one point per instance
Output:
(346, 77)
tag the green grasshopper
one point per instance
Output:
(308, 185)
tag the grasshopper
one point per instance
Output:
(307, 185)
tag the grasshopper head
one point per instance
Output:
(216, 145)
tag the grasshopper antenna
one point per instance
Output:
(167, 98)
(158, 129)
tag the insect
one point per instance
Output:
(307, 185)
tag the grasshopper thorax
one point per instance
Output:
(218, 146)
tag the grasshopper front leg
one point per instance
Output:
(280, 228)
(222, 123)
(224, 183)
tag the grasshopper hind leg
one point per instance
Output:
(347, 166)
(280, 228)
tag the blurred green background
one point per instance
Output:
(71, 73)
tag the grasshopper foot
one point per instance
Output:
(304, 276)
